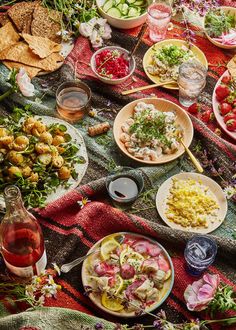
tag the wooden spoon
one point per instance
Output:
(134, 90)
(193, 158)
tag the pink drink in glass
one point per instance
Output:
(159, 16)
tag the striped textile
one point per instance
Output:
(70, 231)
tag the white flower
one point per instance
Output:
(24, 83)
(86, 29)
(57, 269)
(229, 192)
(49, 290)
(40, 301)
(96, 39)
(106, 31)
(96, 30)
(83, 202)
(50, 280)
(101, 21)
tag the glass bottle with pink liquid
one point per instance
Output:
(159, 16)
(21, 238)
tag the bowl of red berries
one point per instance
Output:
(112, 65)
(224, 103)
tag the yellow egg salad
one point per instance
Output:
(191, 204)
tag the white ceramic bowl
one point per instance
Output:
(121, 23)
(231, 11)
(108, 80)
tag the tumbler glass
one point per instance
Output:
(159, 16)
(199, 253)
(191, 81)
(73, 100)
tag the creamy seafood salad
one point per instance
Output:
(150, 133)
(166, 61)
(125, 276)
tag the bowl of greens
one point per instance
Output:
(123, 14)
(220, 27)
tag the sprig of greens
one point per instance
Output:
(172, 55)
(218, 22)
(224, 300)
(147, 129)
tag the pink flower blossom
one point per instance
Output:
(201, 292)
(24, 83)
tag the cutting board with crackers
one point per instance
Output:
(30, 37)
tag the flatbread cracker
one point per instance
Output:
(40, 46)
(21, 52)
(46, 23)
(8, 36)
(231, 66)
(4, 19)
(31, 71)
(21, 14)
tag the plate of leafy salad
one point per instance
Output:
(161, 62)
(220, 27)
(43, 156)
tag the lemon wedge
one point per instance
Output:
(111, 303)
(119, 284)
(107, 247)
(133, 258)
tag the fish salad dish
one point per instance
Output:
(123, 277)
(150, 133)
(167, 60)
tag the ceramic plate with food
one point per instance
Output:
(191, 202)
(161, 61)
(224, 104)
(149, 130)
(220, 26)
(128, 271)
(43, 156)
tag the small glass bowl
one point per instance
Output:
(124, 184)
(73, 100)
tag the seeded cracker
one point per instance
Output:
(4, 19)
(40, 46)
(21, 14)
(8, 36)
(46, 23)
(21, 52)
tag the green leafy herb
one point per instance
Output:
(218, 22)
(172, 55)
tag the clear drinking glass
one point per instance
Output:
(124, 184)
(199, 253)
(159, 16)
(191, 81)
(73, 100)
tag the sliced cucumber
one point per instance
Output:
(116, 3)
(125, 9)
(107, 5)
(130, 1)
(114, 12)
(120, 6)
(133, 12)
(138, 3)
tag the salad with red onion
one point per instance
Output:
(124, 277)
(220, 25)
(112, 64)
